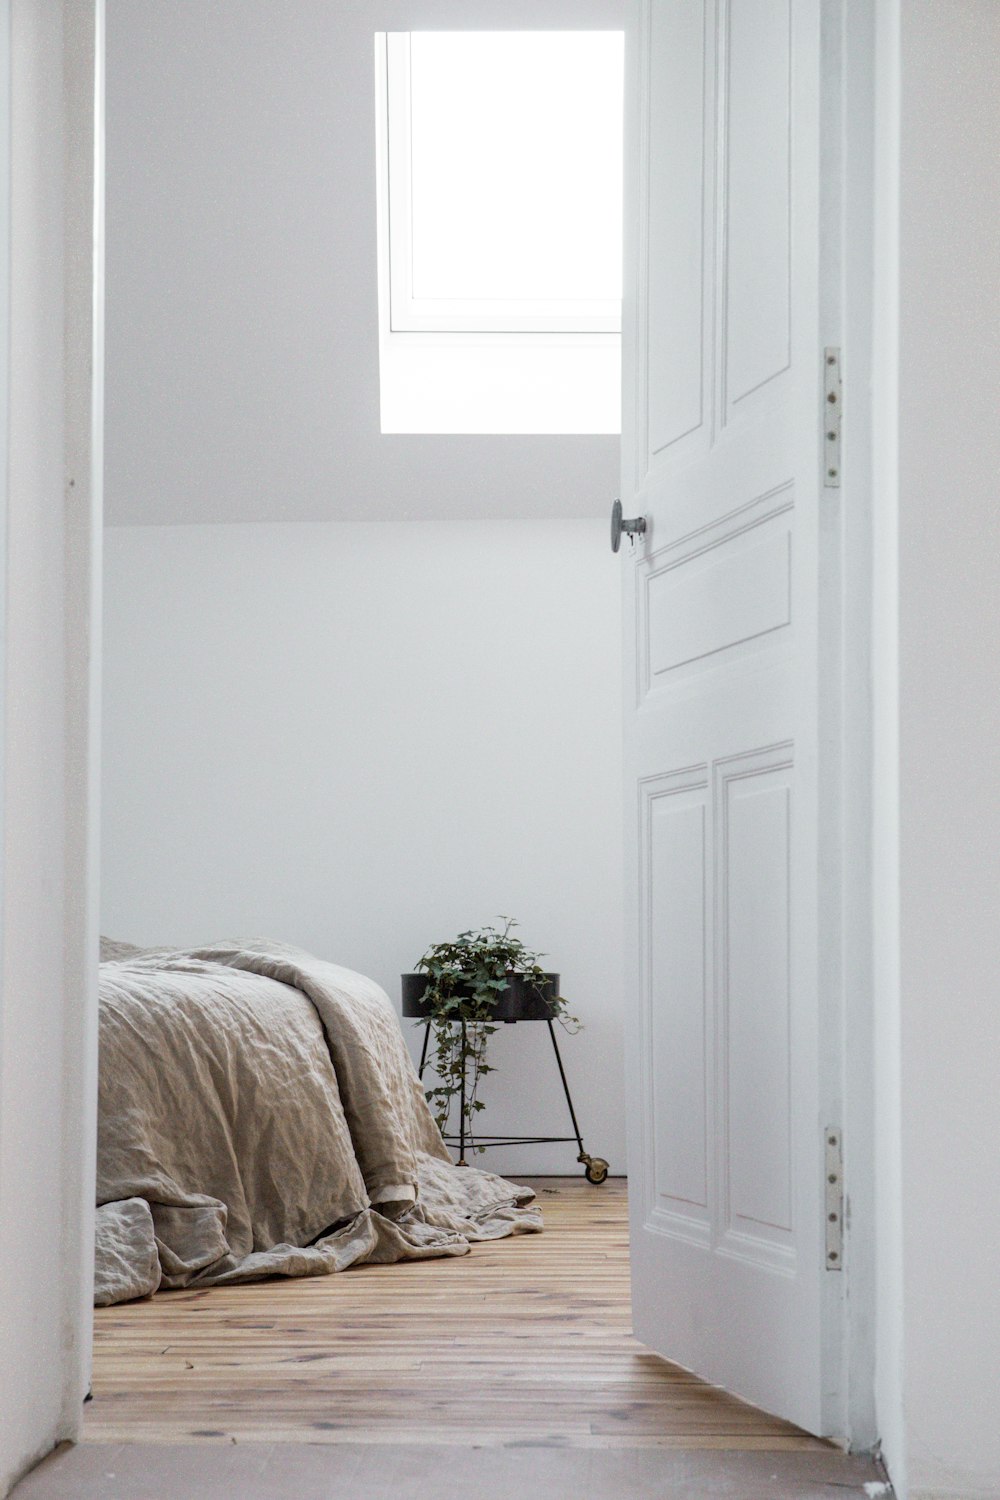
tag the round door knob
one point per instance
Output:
(632, 528)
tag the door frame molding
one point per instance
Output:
(850, 25)
(52, 59)
(849, 30)
(84, 75)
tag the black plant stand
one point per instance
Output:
(521, 1001)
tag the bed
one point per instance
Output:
(259, 1115)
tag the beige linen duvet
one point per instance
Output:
(259, 1115)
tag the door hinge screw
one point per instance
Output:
(832, 417)
(834, 1165)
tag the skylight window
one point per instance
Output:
(500, 161)
(505, 180)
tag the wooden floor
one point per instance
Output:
(524, 1340)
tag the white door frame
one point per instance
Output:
(850, 27)
(84, 59)
(52, 79)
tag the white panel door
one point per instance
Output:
(723, 453)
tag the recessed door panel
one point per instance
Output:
(757, 255)
(728, 595)
(676, 831)
(754, 804)
(676, 224)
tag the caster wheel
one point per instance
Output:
(596, 1170)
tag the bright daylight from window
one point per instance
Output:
(500, 164)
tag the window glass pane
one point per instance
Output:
(516, 172)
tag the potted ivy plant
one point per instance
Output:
(480, 979)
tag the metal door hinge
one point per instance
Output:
(833, 400)
(834, 1198)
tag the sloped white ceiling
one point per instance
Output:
(242, 375)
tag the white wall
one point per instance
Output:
(949, 737)
(48, 966)
(448, 745)
(363, 738)
(937, 827)
(242, 300)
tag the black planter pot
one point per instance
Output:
(525, 999)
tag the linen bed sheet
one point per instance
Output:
(259, 1115)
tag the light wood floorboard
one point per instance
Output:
(523, 1341)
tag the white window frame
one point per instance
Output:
(410, 314)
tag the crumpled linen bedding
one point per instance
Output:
(259, 1115)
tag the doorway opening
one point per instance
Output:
(382, 650)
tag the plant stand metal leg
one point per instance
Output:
(565, 1084)
(595, 1167)
(461, 1119)
(423, 1051)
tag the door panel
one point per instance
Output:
(755, 40)
(675, 142)
(755, 808)
(723, 597)
(722, 454)
(676, 857)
